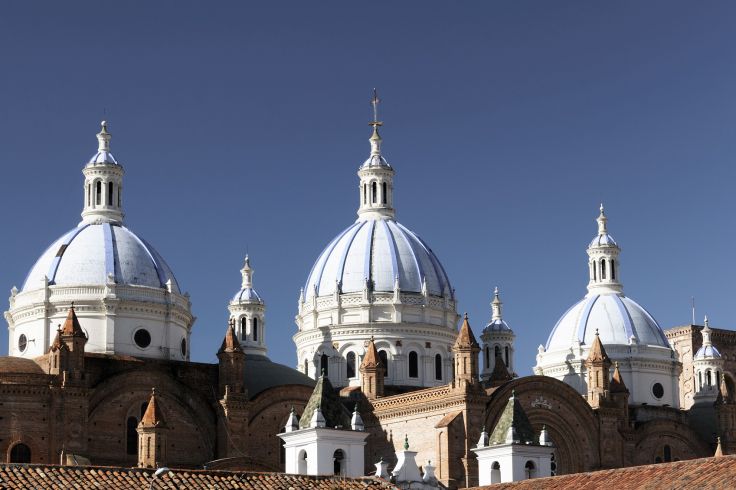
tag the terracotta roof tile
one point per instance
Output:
(230, 343)
(71, 327)
(371, 358)
(597, 352)
(706, 473)
(153, 417)
(617, 382)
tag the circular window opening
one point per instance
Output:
(142, 338)
(183, 347)
(658, 390)
(22, 342)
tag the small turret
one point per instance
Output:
(371, 373)
(497, 341)
(466, 356)
(597, 365)
(103, 184)
(152, 431)
(231, 363)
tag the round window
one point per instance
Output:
(142, 338)
(658, 390)
(183, 347)
(22, 342)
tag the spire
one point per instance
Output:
(247, 273)
(500, 373)
(602, 220)
(103, 138)
(465, 338)
(71, 327)
(325, 402)
(617, 382)
(513, 421)
(707, 342)
(375, 138)
(230, 343)
(153, 417)
(496, 306)
(371, 358)
(719, 450)
(725, 395)
(597, 352)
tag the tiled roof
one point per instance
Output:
(20, 476)
(371, 358)
(703, 474)
(71, 327)
(153, 417)
(230, 342)
(465, 337)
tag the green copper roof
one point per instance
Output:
(328, 401)
(513, 415)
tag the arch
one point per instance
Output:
(603, 269)
(255, 329)
(131, 436)
(438, 366)
(613, 270)
(495, 472)
(302, 462)
(506, 355)
(20, 453)
(595, 272)
(350, 363)
(120, 189)
(667, 453)
(98, 193)
(89, 194)
(700, 380)
(496, 353)
(365, 193)
(338, 462)
(708, 378)
(530, 470)
(374, 192)
(384, 361)
(109, 193)
(413, 364)
(487, 357)
(243, 328)
(324, 365)
(383, 193)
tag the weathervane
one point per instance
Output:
(374, 102)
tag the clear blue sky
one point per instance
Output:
(241, 125)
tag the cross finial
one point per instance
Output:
(374, 102)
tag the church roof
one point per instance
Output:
(513, 416)
(230, 343)
(71, 327)
(693, 473)
(22, 476)
(617, 384)
(325, 397)
(597, 352)
(371, 358)
(262, 374)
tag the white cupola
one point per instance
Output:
(248, 310)
(376, 176)
(603, 254)
(103, 184)
(497, 340)
(708, 366)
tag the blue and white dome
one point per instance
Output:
(247, 294)
(497, 325)
(707, 352)
(381, 251)
(90, 253)
(617, 319)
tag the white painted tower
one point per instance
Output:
(248, 312)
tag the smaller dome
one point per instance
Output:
(603, 240)
(497, 325)
(247, 294)
(707, 352)
(102, 157)
(375, 161)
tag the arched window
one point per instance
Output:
(595, 273)
(302, 463)
(529, 470)
(323, 365)
(495, 472)
(707, 378)
(613, 270)
(667, 453)
(413, 365)
(109, 193)
(20, 453)
(657, 459)
(255, 330)
(118, 196)
(306, 367)
(700, 380)
(438, 367)
(603, 269)
(351, 364)
(338, 458)
(365, 193)
(487, 357)
(98, 192)
(506, 355)
(496, 353)
(131, 436)
(243, 328)
(383, 197)
(384, 361)
(374, 193)
(89, 194)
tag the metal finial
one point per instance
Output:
(374, 102)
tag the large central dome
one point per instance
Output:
(377, 253)
(377, 280)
